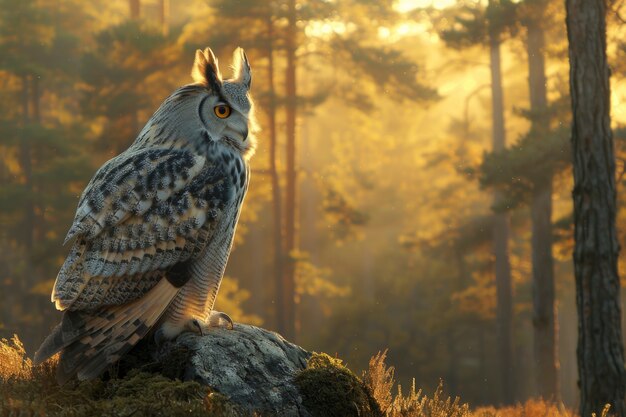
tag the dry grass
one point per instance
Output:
(380, 379)
(531, 408)
(13, 360)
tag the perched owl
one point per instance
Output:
(154, 227)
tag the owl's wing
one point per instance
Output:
(141, 218)
(143, 213)
(130, 184)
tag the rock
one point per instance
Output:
(252, 367)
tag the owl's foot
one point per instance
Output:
(217, 319)
(221, 320)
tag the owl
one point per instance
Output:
(155, 225)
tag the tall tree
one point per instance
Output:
(134, 9)
(602, 379)
(279, 253)
(487, 27)
(524, 173)
(291, 198)
(504, 291)
(544, 324)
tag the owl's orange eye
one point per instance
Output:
(222, 111)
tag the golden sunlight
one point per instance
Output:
(410, 200)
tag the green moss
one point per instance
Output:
(330, 389)
(27, 390)
(137, 394)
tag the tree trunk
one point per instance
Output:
(276, 194)
(600, 348)
(26, 165)
(39, 226)
(545, 336)
(504, 310)
(164, 15)
(291, 227)
(135, 9)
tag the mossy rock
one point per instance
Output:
(330, 389)
(138, 394)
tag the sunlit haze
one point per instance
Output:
(358, 176)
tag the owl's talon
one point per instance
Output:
(217, 319)
(221, 319)
(197, 327)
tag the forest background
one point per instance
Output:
(376, 198)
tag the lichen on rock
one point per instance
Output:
(253, 367)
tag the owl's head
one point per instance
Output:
(226, 109)
(211, 109)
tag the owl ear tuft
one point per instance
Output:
(206, 70)
(241, 68)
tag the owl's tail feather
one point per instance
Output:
(89, 342)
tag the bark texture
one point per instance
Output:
(504, 312)
(544, 324)
(600, 350)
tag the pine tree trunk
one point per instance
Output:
(164, 15)
(600, 347)
(504, 311)
(26, 165)
(276, 194)
(28, 303)
(134, 9)
(39, 227)
(291, 227)
(545, 336)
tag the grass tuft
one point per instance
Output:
(380, 380)
(13, 360)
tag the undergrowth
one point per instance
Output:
(380, 380)
(328, 388)
(28, 390)
(414, 403)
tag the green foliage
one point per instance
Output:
(127, 61)
(330, 389)
(518, 169)
(474, 22)
(388, 67)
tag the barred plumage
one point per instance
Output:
(154, 227)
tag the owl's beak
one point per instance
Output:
(245, 134)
